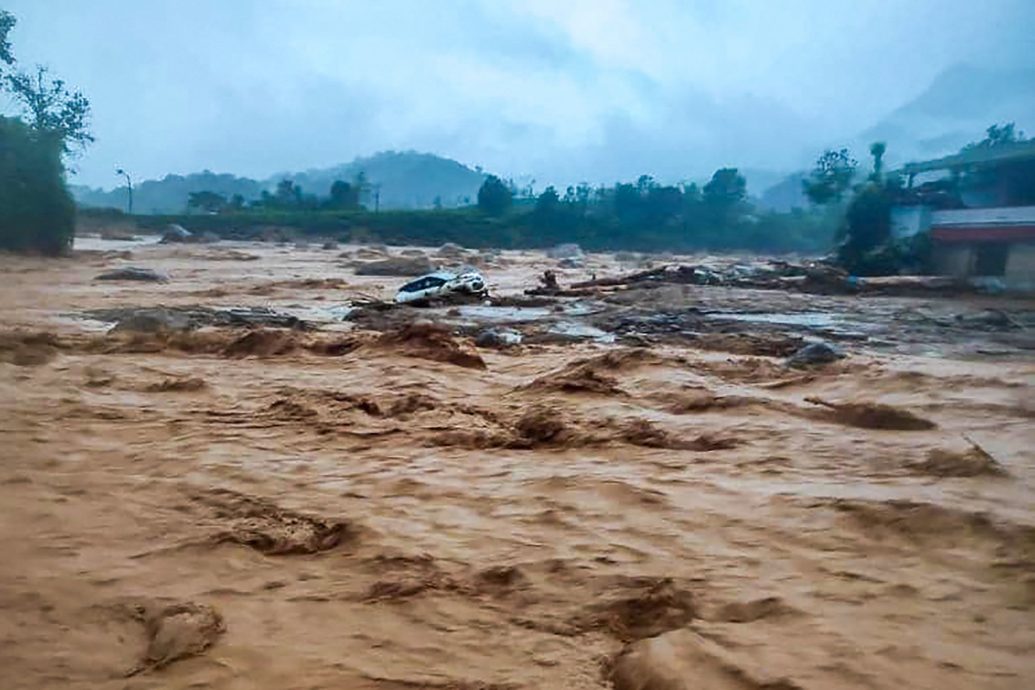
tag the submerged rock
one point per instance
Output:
(137, 273)
(176, 233)
(498, 338)
(395, 266)
(814, 354)
(565, 251)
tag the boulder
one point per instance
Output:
(450, 251)
(815, 354)
(498, 338)
(395, 266)
(565, 251)
(176, 233)
(146, 275)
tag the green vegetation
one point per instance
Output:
(494, 197)
(644, 216)
(37, 213)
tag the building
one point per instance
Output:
(980, 213)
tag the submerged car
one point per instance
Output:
(441, 285)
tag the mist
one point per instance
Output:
(594, 91)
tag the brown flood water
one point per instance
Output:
(333, 509)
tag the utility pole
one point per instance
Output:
(377, 197)
(129, 186)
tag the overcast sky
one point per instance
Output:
(560, 90)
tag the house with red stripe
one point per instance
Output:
(979, 212)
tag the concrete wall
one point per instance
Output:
(953, 259)
(907, 221)
(1020, 266)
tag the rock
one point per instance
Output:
(499, 338)
(988, 318)
(450, 251)
(565, 251)
(176, 233)
(685, 660)
(137, 273)
(153, 321)
(377, 251)
(395, 266)
(815, 354)
(177, 631)
(329, 246)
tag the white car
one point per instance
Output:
(441, 284)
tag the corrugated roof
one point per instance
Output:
(975, 157)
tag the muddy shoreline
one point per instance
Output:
(294, 489)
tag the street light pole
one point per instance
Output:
(129, 187)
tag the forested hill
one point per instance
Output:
(402, 179)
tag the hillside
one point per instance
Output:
(168, 195)
(405, 180)
(954, 110)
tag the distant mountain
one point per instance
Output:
(169, 194)
(403, 179)
(954, 110)
(406, 179)
(785, 194)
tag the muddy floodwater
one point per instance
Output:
(297, 487)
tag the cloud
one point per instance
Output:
(586, 89)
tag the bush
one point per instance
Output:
(37, 213)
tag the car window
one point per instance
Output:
(434, 282)
(414, 286)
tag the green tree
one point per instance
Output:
(997, 135)
(48, 106)
(287, 194)
(494, 196)
(830, 177)
(36, 211)
(206, 202)
(724, 195)
(548, 201)
(7, 22)
(877, 150)
(343, 195)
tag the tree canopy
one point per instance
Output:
(831, 177)
(494, 197)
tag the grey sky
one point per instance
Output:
(563, 91)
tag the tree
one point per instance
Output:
(547, 201)
(36, 211)
(343, 195)
(7, 22)
(877, 150)
(494, 196)
(997, 135)
(50, 107)
(725, 193)
(831, 177)
(206, 202)
(287, 194)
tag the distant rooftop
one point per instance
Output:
(976, 157)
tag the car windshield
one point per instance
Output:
(422, 284)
